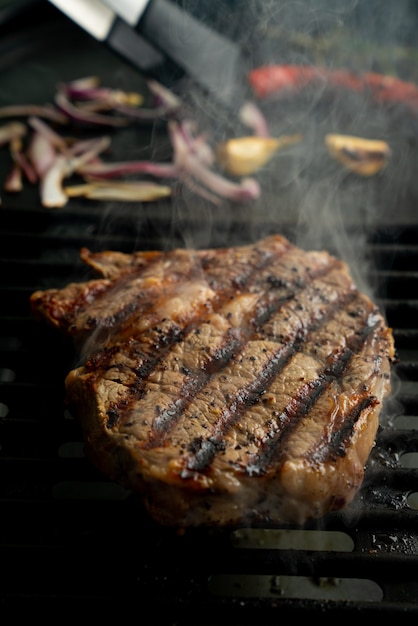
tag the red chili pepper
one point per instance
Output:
(287, 79)
(272, 79)
(389, 88)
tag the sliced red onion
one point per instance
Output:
(22, 161)
(25, 110)
(164, 97)
(252, 116)
(141, 114)
(201, 191)
(45, 130)
(52, 157)
(247, 189)
(65, 164)
(197, 145)
(13, 182)
(81, 84)
(192, 160)
(11, 131)
(41, 153)
(87, 117)
(126, 103)
(51, 191)
(89, 148)
(166, 104)
(123, 168)
(89, 89)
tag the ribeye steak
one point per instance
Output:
(228, 385)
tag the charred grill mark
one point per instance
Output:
(202, 454)
(192, 384)
(140, 302)
(134, 291)
(143, 302)
(246, 272)
(339, 440)
(248, 396)
(160, 340)
(165, 418)
(92, 307)
(299, 406)
(308, 395)
(144, 355)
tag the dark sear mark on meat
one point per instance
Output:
(298, 407)
(228, 383)
(232, 341)
(301, 405)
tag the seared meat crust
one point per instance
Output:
(226, 386)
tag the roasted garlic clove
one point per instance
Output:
(245, 155)
(363, 156)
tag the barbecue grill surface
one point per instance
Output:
(72, 540)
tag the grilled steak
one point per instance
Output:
(226, 386)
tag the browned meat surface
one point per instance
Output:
(226, 386)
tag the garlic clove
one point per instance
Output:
(245, 155)
(363, 156)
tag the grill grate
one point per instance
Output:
(70, 540)
(70, 537)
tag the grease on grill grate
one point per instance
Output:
(301, 587)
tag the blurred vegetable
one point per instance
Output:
(25, 110)
(85, 116)
(63, 165)
(246, 155)
(363, 156)
(82, 100)
(88, 88)
(41, 150)
(194, 170)
(277, 80)
(50, 158)
(12, 134)
(11, 131)
(13, 182)
(251, 116)
(138, 191)
(99, 169)
(21, 161)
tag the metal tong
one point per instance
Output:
(150, 33)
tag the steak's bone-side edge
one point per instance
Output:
(229, 385)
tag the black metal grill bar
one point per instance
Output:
(392, 257)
